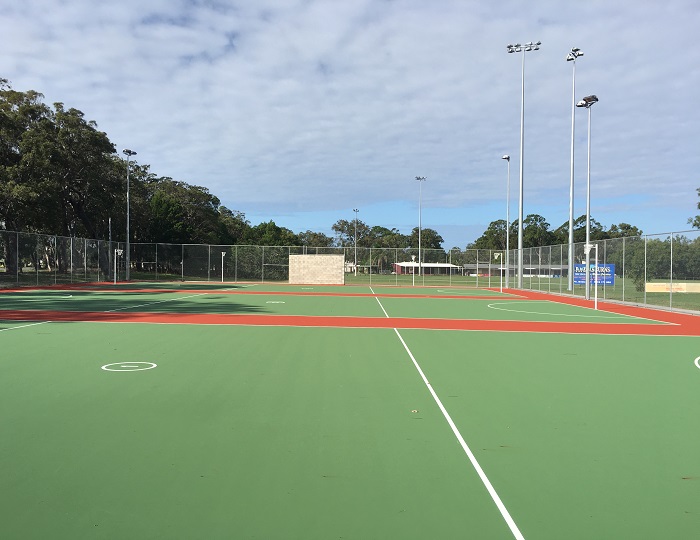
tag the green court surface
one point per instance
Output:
(140, 431)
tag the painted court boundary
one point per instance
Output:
(508, 296)
(682, 328)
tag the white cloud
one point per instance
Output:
(298, 108)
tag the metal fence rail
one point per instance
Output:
(657, 270)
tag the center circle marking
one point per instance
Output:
(129, 366)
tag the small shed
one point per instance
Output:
(411, 267)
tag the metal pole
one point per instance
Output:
(223, 253)
(571, 185)
(420, 179)
(413, 270)
(571, 57)
(522, 162)
(588, 102)
(507, 261)
(588, 212)
(645, 269)
(522, 49)
(595, 305)
(128, 154)
(128, 218)
(356, 211)
(623, 269)
(109, 250)
(670, 285)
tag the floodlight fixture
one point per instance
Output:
(506, 157)
(574, 54)
(529, 46)
(588, 102)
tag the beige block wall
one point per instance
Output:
(317, 269)
(677, 287)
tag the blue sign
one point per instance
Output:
(606, 274)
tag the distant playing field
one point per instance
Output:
(221, 411)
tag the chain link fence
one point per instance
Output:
(657, 270)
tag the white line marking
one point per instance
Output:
(45, 298)
(380, 304)
(484, 479)
(275, 302)
(697, 362)
(493, 306)
(124, 366)
(24, 326)
(152, 303)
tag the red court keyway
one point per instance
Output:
(683, 325)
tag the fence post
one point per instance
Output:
(645, 269)
(623, 268)
(670, 284)
(370, 266)
(477, 268)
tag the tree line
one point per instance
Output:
(537, 232)
(60, 174)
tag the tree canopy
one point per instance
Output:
(695, 221)
(60, 174)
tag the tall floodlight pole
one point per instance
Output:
(128, 154)
(420, 179)
(507, 261)
(356, 211)
(571, 57)
(518, 48)
(588, 102)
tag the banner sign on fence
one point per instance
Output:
(606, 274)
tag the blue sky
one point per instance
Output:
(301, 110)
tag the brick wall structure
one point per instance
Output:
(317, 269)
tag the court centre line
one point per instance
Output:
(472, 458)
(378, 302)
(152, 303)
(24, 326)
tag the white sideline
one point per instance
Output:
(482, 475)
